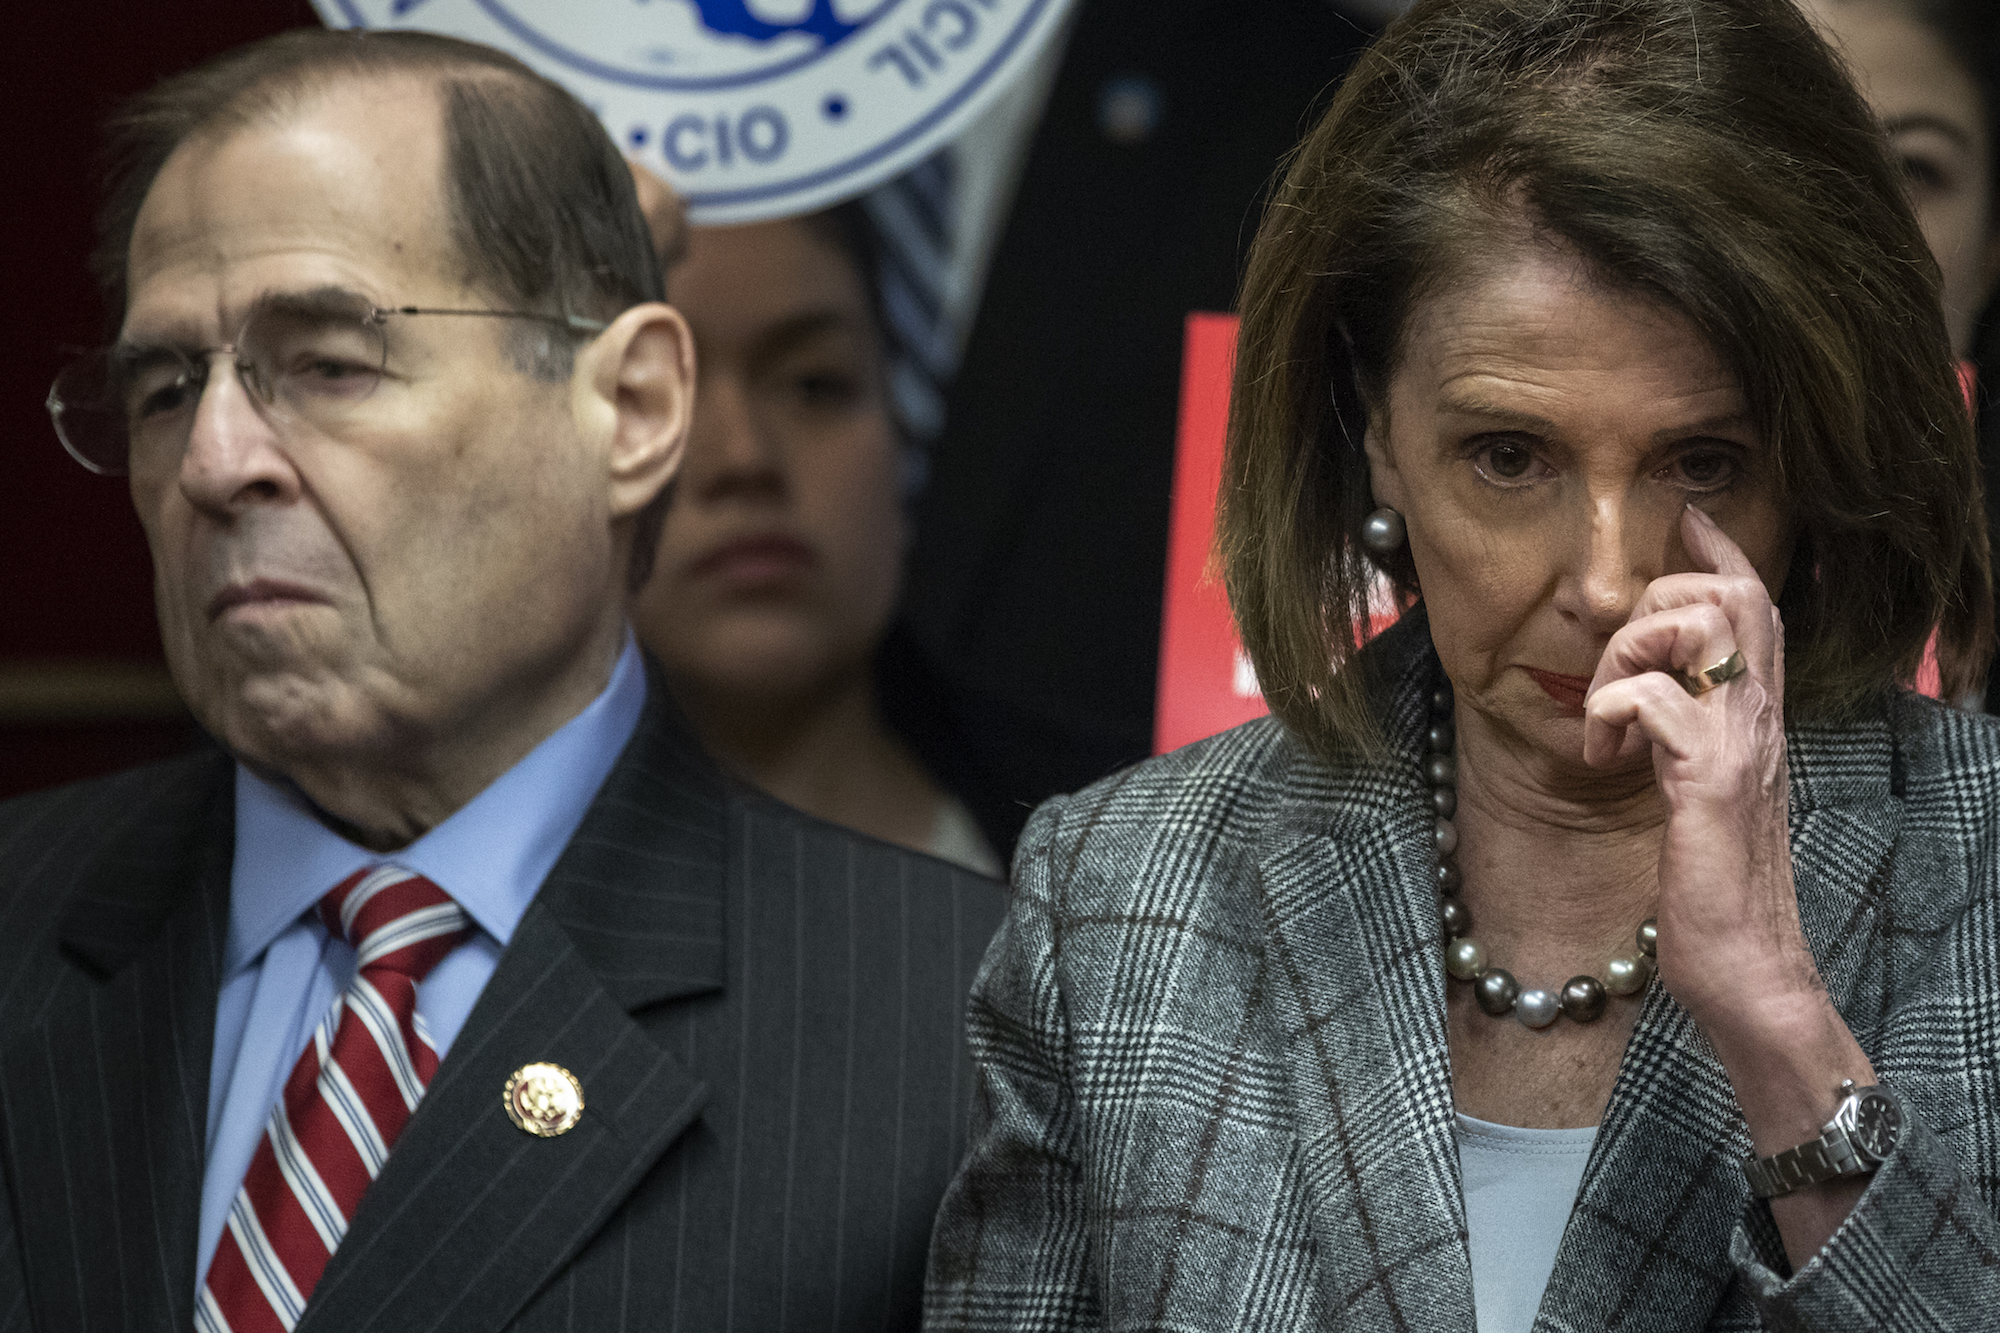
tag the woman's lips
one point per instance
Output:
(750, 562)
(1568, 691)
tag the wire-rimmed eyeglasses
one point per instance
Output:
(311, 359)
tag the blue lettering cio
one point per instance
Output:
(757, 108)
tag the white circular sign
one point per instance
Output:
(756, 108)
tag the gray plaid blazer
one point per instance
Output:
(1215, 1090)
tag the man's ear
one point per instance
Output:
(636, 381)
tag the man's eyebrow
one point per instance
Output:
(132, 353)
(325, 302)
(1950, 129)
(134, 350)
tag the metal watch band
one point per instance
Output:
(1863, 1132)
(1824, 1158)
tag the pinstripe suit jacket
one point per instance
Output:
(1215, 1090)
(764, 1012)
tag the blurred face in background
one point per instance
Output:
(1931, 107)
(780, 559)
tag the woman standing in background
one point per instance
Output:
(780, 559)
(1930, 70)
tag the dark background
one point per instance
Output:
(75, 582)
(1025, 664)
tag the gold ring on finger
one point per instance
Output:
(1698, 683)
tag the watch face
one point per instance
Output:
(1877, 1125)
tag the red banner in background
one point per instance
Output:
(1206, 683)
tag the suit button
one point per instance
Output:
(544, 1099)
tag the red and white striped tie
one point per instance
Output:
(345, 1104)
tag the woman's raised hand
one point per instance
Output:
(1729, 925)
(1731, 949)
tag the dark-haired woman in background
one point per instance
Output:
(1930, 70)
(781, 555)
(1612, 943)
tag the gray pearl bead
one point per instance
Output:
(1465, 958)
(1448, 878)
(1535, 1008)
(1649, 937)
(1383, 532)
(1582, 999)
(1627, 976)
(1441, 700)
(1438, 736)
(1441, 770)
(1496, 990)
(1447, 837)
(1444, 800)
(1456, 916)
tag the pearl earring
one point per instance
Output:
(1383, 533)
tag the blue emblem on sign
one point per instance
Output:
(757, 108)
(732, 18)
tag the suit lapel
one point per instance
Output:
(1664, 1186)
(472, 1216)
(105, 1102)
(1351, 926)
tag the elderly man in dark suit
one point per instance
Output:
(456, 989)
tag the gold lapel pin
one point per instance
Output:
(544, 1099)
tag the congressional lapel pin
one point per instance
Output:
(544, 1099)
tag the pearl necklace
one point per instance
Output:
(1581, 998)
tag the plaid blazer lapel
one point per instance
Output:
(1847, 815)
(1647, 1244)
(1351, 930)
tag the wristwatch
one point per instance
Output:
(1859, 1138)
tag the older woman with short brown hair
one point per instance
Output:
(1611, 943)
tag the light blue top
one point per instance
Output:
(1519, 1187)
(281, 971)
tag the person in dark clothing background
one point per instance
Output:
(1024, 663)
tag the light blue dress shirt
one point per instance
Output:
(282, 971)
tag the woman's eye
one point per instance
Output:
(827, 389)
(1508, 461)
(1924, 175)
(1704, 470)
